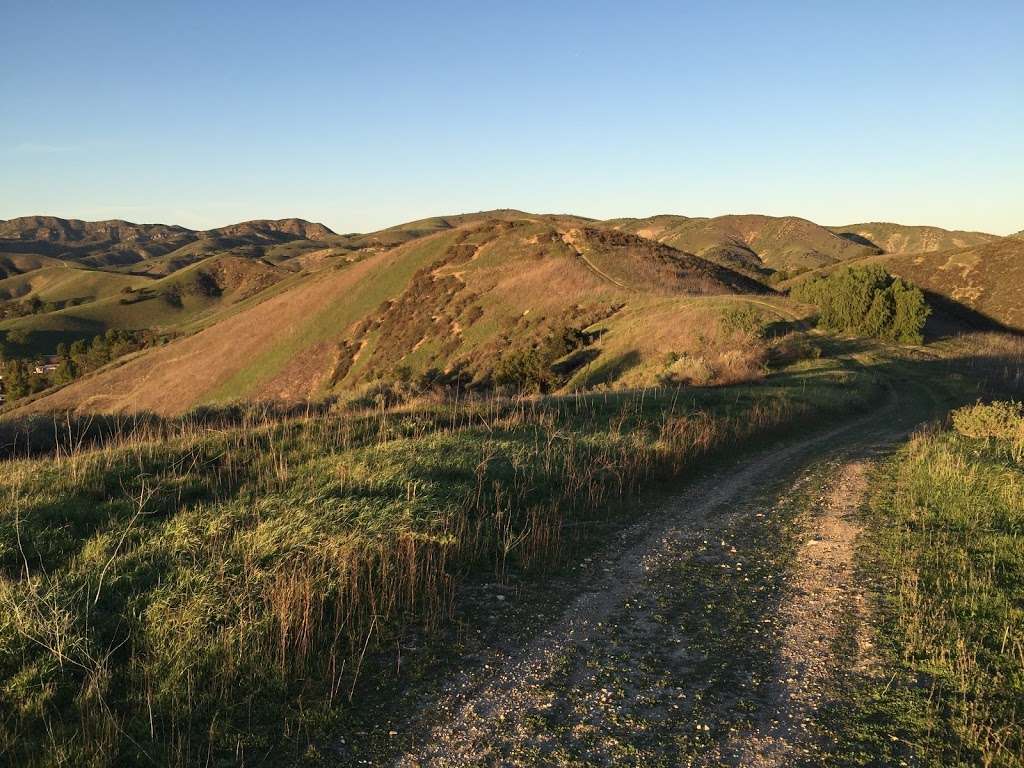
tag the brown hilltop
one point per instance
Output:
(293, 228)
(986, 278)
(53, 229)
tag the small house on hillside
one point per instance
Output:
(48, 364)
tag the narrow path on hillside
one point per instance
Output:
(568, 239)
(705, 635)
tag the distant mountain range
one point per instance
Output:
(104, 244)
(288, 309)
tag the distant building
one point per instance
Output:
(48, 364)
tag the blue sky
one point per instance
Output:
(362, 115)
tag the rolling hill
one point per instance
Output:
(987, 279)
(899, 238)
(65, 282)
(759, 245)
(116, 243)
(289, 310)
(974, 286)
(755, 244)
(457, 302)
(98, 301)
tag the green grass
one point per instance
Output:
(388, 280)
(66, 282)
(113, 309)
(947, 544)
(194, 595)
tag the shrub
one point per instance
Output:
(999, 420)
(744, 319)
(686, 369)
(530, 369)
(1003, 420)
(867, 301)
(173, 297)
(525, 370)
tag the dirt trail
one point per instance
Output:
(825, 601)
(693, 642)
(570, 238)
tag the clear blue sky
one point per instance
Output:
(362, 115)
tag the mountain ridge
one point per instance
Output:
(287, 309)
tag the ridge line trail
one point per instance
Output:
(688, 645)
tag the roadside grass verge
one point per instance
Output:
(946, 546)
(205, 592)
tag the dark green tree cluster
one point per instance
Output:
(19, 373)
(84, 356)
(20, 379)
(867, 301)
(34, 306)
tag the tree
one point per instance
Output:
(911, 313)
(879, 317)
(868, 301)
(17, 336)
(66, 370)
(17, 382)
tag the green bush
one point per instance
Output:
(1003, 420)
(744, 319)
(525, 370)
(867, 301)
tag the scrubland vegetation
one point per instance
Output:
(184, 592)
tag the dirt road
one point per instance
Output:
(706, 634)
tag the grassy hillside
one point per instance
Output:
(125, 302)
(66, 283)
(458, 302)
(900, 238)
(289, 310)
(758, 244)
(945, 555)
(228, 592)
(12, 263)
